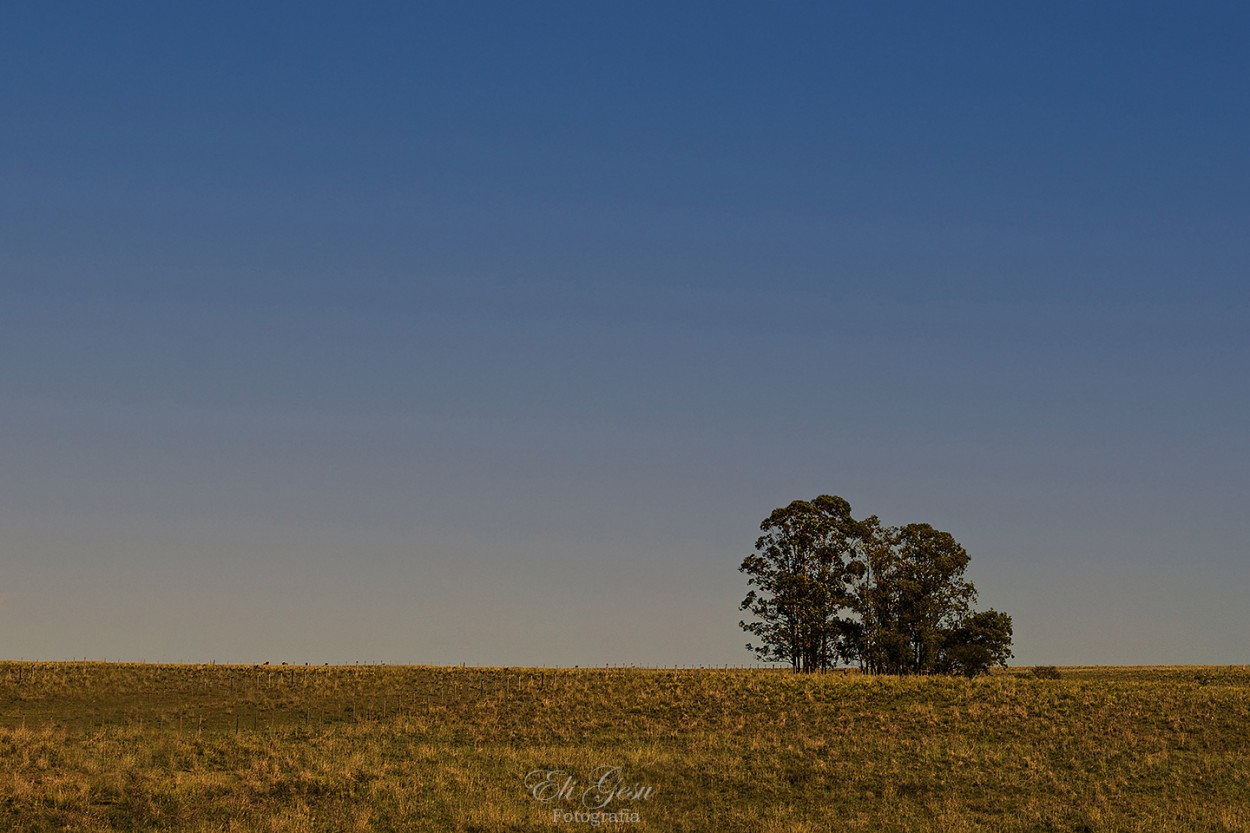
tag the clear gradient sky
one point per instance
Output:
(489, 333)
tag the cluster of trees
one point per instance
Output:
(827, 589)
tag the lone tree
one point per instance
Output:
(828, 589)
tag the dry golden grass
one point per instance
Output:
(101, 747)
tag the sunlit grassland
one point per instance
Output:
(94, 746)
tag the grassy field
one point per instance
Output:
(94, 747)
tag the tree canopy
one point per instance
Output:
(827, 589)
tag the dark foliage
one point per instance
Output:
(828, 589)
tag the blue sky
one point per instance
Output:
(489, 333)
